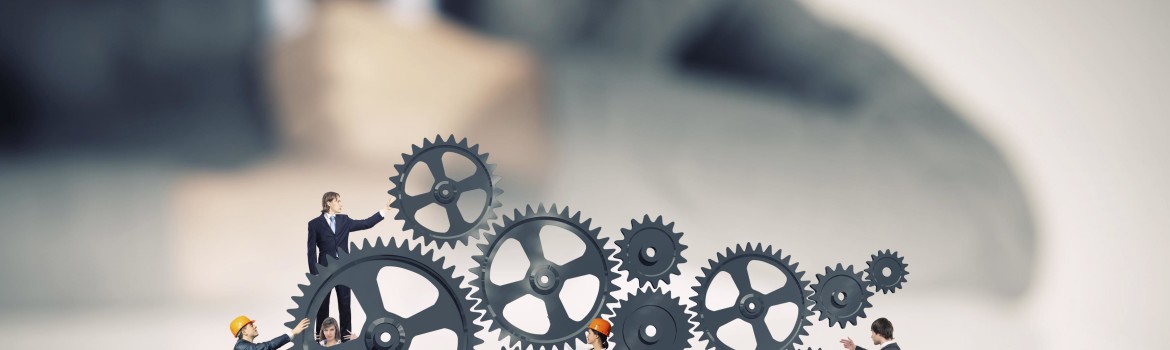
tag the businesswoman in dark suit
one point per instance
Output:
(328, 234)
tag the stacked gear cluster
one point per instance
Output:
(649, 252)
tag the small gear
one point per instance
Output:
(751, 305)
(383, 329)
(650, 251)
(877, 276)
(544, 279)
(840, 296)
(445, 191)
(652, 321)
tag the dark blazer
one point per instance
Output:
(268, 345)
(323, 238)
(893, 346)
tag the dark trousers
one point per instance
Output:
(343, 313)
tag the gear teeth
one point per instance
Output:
(898, 272)
(858, 298)
(389, 250)
(636, 269)
(555, 338)
(758, 252)
(649, 297)
(462, 232)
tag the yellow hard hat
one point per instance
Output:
(600, 325)
(239, 323)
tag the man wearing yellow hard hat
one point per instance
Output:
(245, 331)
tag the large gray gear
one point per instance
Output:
(840, 296)
(651, 321)
(650, 251)
(544, 279)
(876, 277)
(752, 306)
(445, 191)
(358, 269)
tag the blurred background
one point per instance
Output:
(159, 159)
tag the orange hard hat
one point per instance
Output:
(600, 325)
(243, 321)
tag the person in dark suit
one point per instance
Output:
(883, 336)
(328, 234)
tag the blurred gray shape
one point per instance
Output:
(811, 132)
(171, 78)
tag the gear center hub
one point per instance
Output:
(544, 279)
(445, 191)
(840, 299)
(648, 255)
(649, 334)
(751, 306)
(385, 334)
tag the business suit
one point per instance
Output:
(324, 242)
(893, 346)
(268, 345)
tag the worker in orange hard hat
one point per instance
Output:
(598, 334)
(245, 331)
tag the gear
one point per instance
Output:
(445, 191)
(840, 296)
(652, 321)
(751, 305)
(544, 279)
(876, 276)
(383, 330)
(650, 251)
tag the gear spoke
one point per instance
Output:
(438, 316)
(453, 215)
(739, 274)
(544, 280)
(779, 296)
(359, 270)
(508, 293)
(411, 204)
(368, 295)
(718, 318)
(479, 180)
(763, 334)
(445, 191)
(530, 241)
(752, 306)
(556, 310)
(577, 267)
(434, 161)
